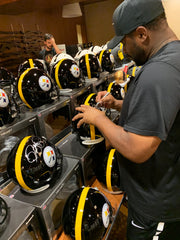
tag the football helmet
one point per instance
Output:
(89, 134)
(106, 60)
(87, 214)
(32, 63)
(66, 73)
(95, 49)
(108, 172)
(8, 107)
(81, 53)
(119, 56)
(116, 90)
(34, 163)
(36, 88)
(90, 66)
(58, 57)
(4, 215)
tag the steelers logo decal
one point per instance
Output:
(75, 70)
(4, 101)
(49, 156)
(112, 58)
(106, 215)
(45, 83)
(122, 93)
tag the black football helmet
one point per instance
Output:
(116, 90)
(89, 134)
(8, 106)
(36, 88)
(4, 215)
(106, 60)
(67, 74)
(108, 172)
(90, 66)
(87, 214)
(32, 63)
(34, 163)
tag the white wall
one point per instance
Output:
(98, 19)
(172, 9)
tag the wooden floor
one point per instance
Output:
(118, 231)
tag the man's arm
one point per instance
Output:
(55, 46)
(136, 148)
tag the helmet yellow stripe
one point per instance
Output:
(92, 128)
(92, 132)
(108, 169)
(18, 159)
(88, 66)
(110, 86)
(133, 71)
(56, 73)
(120, 52)
(31, 63)
(79, 213)
(88, 98)
(100, 56)
(20, 81)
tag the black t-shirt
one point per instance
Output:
(152, 108)
(47, 56)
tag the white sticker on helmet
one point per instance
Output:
(112, 58)
(45, 83)
(122, 93)
(106, 215)
(49, 156)
(4, 101)
(75, 71)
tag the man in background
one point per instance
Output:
(49, 50)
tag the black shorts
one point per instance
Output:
(139, 228)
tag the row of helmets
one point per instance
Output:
(36, 87)
(36, 164)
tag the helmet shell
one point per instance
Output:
(8, 110)
(32, 63)
(90, 66)
(87, 214)
(35, 88)
(95, 49)
(34, 163)
(116, 90)
(108, 172)
(58, 57)
(106, 60)
(67, 74)
(86, 131)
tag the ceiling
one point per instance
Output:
(16, 7)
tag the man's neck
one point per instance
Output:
(159, 42)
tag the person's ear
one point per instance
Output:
(141, 33)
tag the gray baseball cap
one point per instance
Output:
(131, 14)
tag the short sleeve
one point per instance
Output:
(155, 101)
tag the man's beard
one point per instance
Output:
(139, 55)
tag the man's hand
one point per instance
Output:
(109, 101)
(53, 42)
(87, 115)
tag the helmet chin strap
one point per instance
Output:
(91, 142)
(32, 191)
